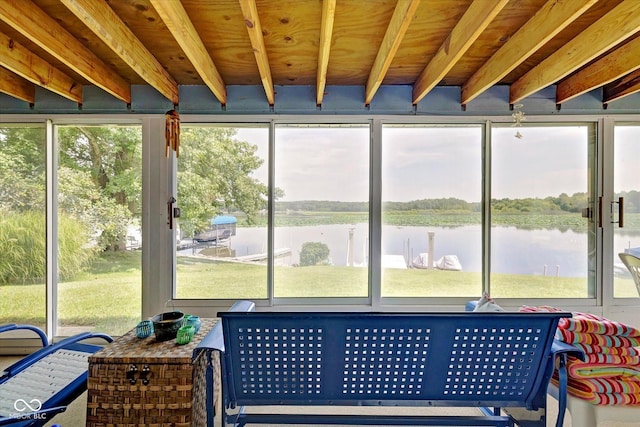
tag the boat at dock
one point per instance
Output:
(447, 262)
(222, 227)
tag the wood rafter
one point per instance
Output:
(326, 32)
(400, 21)
(176, 19)
(25, 17)
(628, 85)
(613, 66)
(252, 21)
(552, 18)
(103, 21)
(16, 86)
(591, 43)
(477, 17)
(24, 63)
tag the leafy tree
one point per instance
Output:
(314, 253)
(80, 198)
(631, 200)
(214, 174)
(22, 169)
(22, 205)
(100, 179)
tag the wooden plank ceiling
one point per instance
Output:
(574, 45)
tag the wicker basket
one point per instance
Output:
(137, 382)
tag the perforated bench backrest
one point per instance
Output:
(372, 358)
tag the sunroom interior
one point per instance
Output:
(346, 155)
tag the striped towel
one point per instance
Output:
(604, 391)
(610, 373)
(579, 370)
(593, 324)
(607, 385)
(548, 308)
(587, 322)
(612, 359)
(598, 349)
(601, 340)
(592, 330)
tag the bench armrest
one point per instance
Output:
(561, 351)
(214, 339)
(13, 327)
(559, 348)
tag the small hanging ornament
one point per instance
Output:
(172, 132)
(518, 118)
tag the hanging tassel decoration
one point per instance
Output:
(172, 132)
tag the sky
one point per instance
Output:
(332, 163)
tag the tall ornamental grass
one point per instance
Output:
(23, 247)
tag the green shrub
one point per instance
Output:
(314, 253)
(74, 252)
(23, 247)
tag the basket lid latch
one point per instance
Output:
(133, 374)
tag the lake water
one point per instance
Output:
(516, 251)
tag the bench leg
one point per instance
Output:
(526, 418)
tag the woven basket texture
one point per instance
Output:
(175, 394)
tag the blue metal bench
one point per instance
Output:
(39, 386)
(483, 360)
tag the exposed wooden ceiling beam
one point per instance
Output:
(588, 45)
(103, 21)
(16, 86)
(326, 32)
(477, 17)
(613, 66)
(32, 22)
(23, 62)
(627, 85)
(552, 18)
(252, 21)
(176, 19)
(400, 21)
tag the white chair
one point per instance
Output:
(632, 263)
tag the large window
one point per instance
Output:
(222, 193)
(321, 211)
(23, 259)
(440, 235)
(541, 184)
(431, 211)
(94, 236)
(99, 228)
(626, 186)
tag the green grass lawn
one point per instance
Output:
(108, 297)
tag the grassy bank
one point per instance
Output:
(108, 297)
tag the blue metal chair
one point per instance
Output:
(41, 385)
